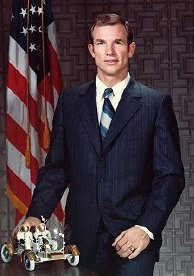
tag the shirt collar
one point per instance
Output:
(117, 88)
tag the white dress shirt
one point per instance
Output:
(115, 99)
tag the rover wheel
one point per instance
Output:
(6, 256)
(29, 263)
(73, 260)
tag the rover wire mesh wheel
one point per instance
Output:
(73, 260)
(29, 263)
(6, 256)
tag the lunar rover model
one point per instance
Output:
(37, 245)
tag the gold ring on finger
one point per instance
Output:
(132, 248)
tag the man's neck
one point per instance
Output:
(111, 81)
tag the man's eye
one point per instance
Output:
(118, 42)
(99, 43)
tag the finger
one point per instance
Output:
(14, 234)
(122, 244)
(123, 248)
(124, 254)
(128, 252)
(139, 247)
(135, 253)
(118, 238)
(124, 251)
(32, 221)
(15, 231)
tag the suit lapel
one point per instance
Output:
(88, 114)
(129, 104)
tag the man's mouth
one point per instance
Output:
(111, 61)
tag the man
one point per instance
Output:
(120, 154)
(24, 236)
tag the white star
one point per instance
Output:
(40, 10)
(25, 31)
(32, 28)
(23, 12)
(12, 16)
(33, 9)
(40, 29)
(32, 47)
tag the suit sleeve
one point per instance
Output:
(168, 174)
(53, 177)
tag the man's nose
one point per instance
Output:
(110, 50)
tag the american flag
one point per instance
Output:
(33, 84)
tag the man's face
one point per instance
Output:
(111, 51)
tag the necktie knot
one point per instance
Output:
(107, 92)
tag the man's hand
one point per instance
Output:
(29, 221)
(131, 242)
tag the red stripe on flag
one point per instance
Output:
(17, 136)
(17, 83)
(45, 84)
(55, 73)
(21, 191)
(59, 212)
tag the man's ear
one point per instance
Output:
(91, 50)
(131, 49)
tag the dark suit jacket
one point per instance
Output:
(135, 177)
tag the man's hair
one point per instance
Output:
(111, 19)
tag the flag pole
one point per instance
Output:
(46, 133)
(27, 151)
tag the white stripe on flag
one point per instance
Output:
(16, 162)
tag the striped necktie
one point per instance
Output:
(107, 113)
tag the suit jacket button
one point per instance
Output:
(101, 179)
